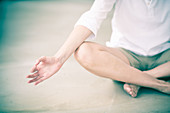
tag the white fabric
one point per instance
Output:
(141, 26)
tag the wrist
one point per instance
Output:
(59, 58)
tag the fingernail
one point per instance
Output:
(131, 93)
(29, 81)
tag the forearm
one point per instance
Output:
(77, 36)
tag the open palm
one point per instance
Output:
(44, 68)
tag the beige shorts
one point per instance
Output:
(144, 63)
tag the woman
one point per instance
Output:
(137, 54)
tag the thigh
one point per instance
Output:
(161, 65)
(114, 51)
(163, 58)
(160, 71)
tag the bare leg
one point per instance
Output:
(158, 72)
(111, 63)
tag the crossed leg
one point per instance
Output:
(111, 63)
(158, 72)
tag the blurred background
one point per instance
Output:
(33, 28)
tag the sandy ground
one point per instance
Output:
(32, 29)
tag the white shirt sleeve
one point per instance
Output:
(93, 18)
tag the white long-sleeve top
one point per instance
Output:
(141, 26)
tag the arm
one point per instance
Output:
(87, 25)
(77, 36)
(45, 67)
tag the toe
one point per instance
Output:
(128, 89)
(134, 95)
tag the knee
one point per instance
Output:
(84, 54)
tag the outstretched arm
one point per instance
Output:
(89, 23)
(45, 67)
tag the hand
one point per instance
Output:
(44, 68)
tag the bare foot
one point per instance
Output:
(165, 88)
(131, 89)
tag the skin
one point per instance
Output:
(89, 55)
(158, 72)
(100, 60)
(46, 67)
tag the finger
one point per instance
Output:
(43, 58)
(41, 80)
(35, 79)
(33, 75)
(34, 69)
